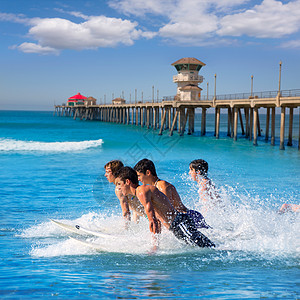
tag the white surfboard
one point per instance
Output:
(88, 244)
(81, 230)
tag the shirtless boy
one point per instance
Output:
(198, 172)
(146, 172)
(128, 202)
(159, 209)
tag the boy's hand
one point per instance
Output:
(154, 226)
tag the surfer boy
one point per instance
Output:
(198, 172)
(159, 209)
(146, 172)
(129, 202)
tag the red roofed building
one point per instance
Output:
(77, 99)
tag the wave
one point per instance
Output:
(19, 145)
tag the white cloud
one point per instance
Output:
(294, 44)
(73, 13)
(34, 48)
(142, 7)
(188, 21)
(96, 32)
(56, 34)
(194, 21)
(169, 7)
(191, 33)
(270, 19)
(13, 18)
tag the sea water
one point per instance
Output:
(52, 168)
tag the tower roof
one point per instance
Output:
(188, 60)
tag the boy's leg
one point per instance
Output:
(184, 229)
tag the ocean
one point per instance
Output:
(53, 168)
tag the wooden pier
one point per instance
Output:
(171, 115)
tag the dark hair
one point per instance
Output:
(199, 165)
(115, 166)
(145, 164)
(128, 173)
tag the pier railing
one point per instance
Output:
(254, 95)
(258, 95)
(291, 93)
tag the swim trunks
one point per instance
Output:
(198, 219)
(184, 229)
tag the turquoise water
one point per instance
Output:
(52, 167)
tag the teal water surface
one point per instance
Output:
(52, 167)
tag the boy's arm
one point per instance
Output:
(145, 198)
(170, 191)
(124, 204)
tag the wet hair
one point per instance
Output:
(127, 173)
(145, 164)
(115, 166)
(199, 165)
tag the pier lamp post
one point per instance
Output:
(123, 94)
(279, 85)
(157, 95)
(135, 96)
(142, 97)
(104, 98)
(113, 96)
(207, 90)
(152, 93)
(251, 86)
(215, 96)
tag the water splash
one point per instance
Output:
(54, 241)
(242, 223)
(239, 229)
(246, 222)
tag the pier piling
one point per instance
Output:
(291, 116)
(282, 123)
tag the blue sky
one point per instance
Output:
(50, 50)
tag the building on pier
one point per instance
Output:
(90, 101)
(188, 79)
(118, 101)
(77, 99)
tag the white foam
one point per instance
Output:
(248, 224)
(240, 229)
(60, 248)
(19, 145)
(54, 241)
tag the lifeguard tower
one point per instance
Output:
(188, 78)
